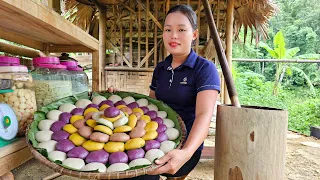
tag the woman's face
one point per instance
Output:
(178, 34)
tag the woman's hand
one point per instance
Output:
(112, 89)
(171, 162)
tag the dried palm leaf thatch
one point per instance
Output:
(79, 14)
(253, 15)
(249, 14)
(111, 2)
(209, 50)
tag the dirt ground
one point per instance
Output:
(302, 163)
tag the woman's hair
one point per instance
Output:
(187, 11)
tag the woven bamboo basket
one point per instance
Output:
(96, 175)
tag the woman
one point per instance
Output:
(190, 85)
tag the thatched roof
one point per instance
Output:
(249, 14)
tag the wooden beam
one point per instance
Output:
(13, 160)
(118, 51)
(129, 69)
(17, 38)
(155, 56)
(167, 5)
(139, 34)
(34, 20)
(14, 147)
(150, 15)
(96, 72)
(129, 8)
(54, 48)
(148, 55)
(147, 30)
(21, 51)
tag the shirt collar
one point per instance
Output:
(190, 62)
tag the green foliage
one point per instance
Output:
(299, 21)
(303, 107)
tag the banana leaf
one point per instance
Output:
(41, 115)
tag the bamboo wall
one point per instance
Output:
(137, 81)
(134, 31)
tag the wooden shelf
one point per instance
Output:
(30, 23)
(13, 155)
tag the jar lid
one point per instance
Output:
(74, 68)
(6, 69)
(52, 66)
(9, 61)
(45, 60)
(69, 63)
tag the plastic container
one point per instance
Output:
(52, 80)
(79, 78)
(22, 99)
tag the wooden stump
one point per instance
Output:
(250, 143)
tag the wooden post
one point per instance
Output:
(147, 30)
(96, 71)
(139, 35)
(155, 42)
(121, 43)
(102, 47)
(130, 40)
(250, 143)
(229, 36)
(114, 32)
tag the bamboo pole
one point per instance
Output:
(155, 55)
(278, 60)
(121, 43)
(222, 56)
(229, 36)
(147, 30)
(16, 50)
(139, 35)
(155, 20)
(130, 40)
(114, 32)
(218, 27)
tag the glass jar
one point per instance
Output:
(22, 99)
(79, 79)
(51, 79)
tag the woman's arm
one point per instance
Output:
(152, 94)
(204, 109)
(175, 159)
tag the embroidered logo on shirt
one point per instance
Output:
(184, 81)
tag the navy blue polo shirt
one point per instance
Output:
(179, 87)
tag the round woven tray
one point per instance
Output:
(96, 175)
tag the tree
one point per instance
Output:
(280, 52)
